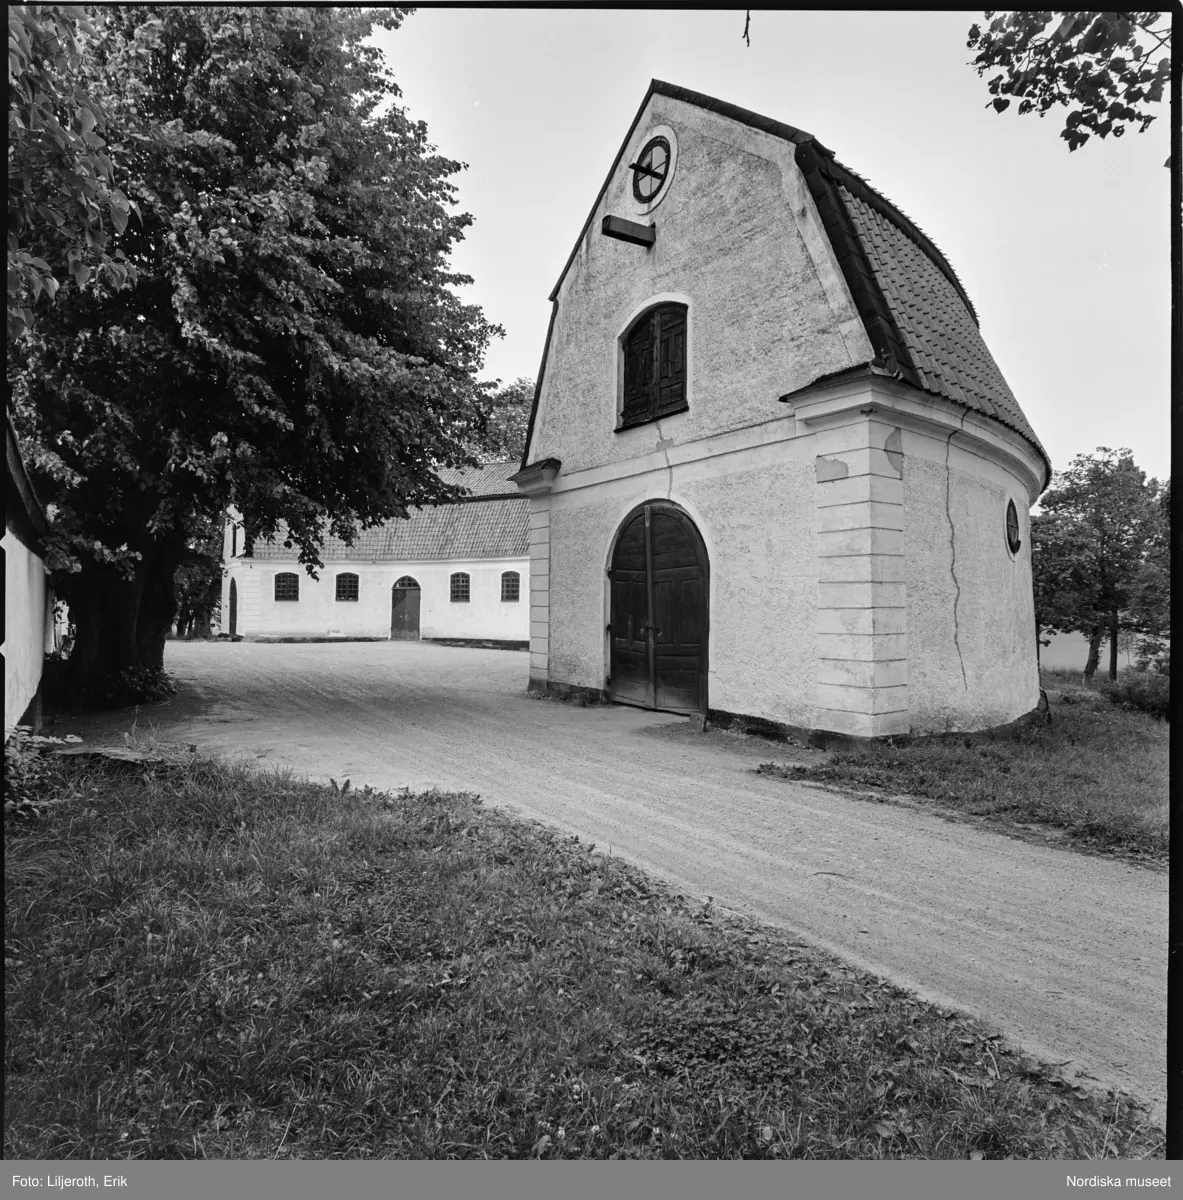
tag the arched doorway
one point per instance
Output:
(233, 609)
(404, 609)
(659, 620)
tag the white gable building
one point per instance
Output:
(453, 571)
(774, 471)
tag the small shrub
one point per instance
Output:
(143, 685)
(1144, 691)
(28, 774)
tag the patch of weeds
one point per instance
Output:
(207, 961)
(1140, 691)
(29, 777)
(1094, 772)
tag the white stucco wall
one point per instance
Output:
(28, 627)
(847, 596)
(319, 614)
(971, 616)
(748, 507)
(832, 597)
(739, 242)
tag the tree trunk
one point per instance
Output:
(1113, 630)
(103, 607)
(1090, 667)
(158, 608)
(120, 623)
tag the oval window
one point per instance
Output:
(1013, 540)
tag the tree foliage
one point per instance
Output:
(62, 205)
(504, 438)
(1097, 553)
(198, 583)
(291, 343)
(1150, 602)
(1104, 67)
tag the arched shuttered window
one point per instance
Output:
(654, 349)
(346, 586)
(511, 586)
(460, 588)
(287, 586)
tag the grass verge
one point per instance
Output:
(205, 961)
(1097, 772)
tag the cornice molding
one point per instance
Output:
(538, 478)
(922, 412)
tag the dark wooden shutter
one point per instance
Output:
(671, 359)
(655, 365)
(638, 372)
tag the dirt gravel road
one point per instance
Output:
(1063, 952)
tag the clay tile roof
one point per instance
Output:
(494, 523)
(937, 327)
(490, 479)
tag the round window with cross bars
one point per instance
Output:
(651, 170)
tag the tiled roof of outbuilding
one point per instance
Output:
(920, 321)
(489, 479)
(918, 316)
(495, 523)
(941, 337)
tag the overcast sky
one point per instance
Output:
(1065, 256)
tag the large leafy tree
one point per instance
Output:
(1104, 67)
(292, 344)
(1093, 549)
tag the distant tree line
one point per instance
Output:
(504, 438)
(1101, 558)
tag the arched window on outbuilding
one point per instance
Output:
(287, 586)
(460, 588)
(511, 586)
(347, 586)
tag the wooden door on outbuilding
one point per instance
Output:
(659, 611)
(404, 609)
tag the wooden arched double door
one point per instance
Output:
(660, 587)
